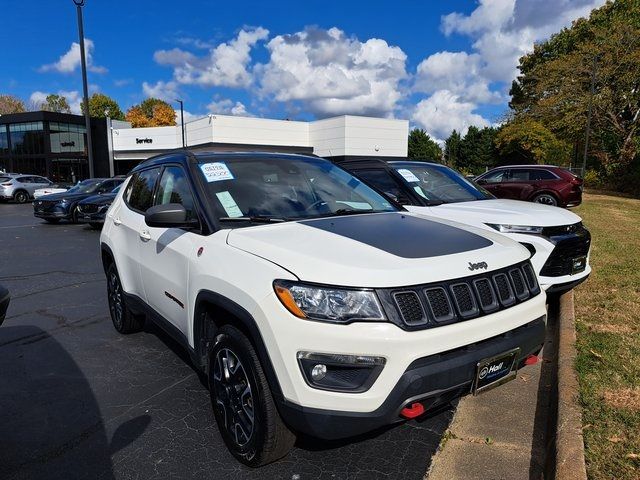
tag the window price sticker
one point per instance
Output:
(408, 175)
(216, 171)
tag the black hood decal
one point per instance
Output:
(402, 235)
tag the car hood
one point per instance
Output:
(72, 197)
(377, 250)
(499, 211)
(103, 199)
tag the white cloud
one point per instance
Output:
(458, 72)
(226, 65)
(504, 30)
(444, 112)
(332, 74)
(228, 107)
(74, 99)
(167, 91)
(69, 61)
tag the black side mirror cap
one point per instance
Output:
(169, 215)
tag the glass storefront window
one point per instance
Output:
(4, 140)
(69, 170)
(67, 137)
(27, 138)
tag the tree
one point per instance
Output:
(554, 86)
(10, 104)
(152, 112)
(101, 106)
(452, 149)
(528, 141)
(477, 150)
(55, 103)
(423, 147)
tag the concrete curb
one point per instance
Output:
(569, 442)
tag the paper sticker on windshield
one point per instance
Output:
(408, 175)
(216, 171)
(229, 204)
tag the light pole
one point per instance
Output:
(181, 121)
(87, 119)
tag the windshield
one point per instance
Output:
(280, 189)
(441, 184)
(117, 189)
(85, 186)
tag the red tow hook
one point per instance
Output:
(531, 360)
(415, 410)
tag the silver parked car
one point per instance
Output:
(20, 187)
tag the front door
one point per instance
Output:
(166, 253)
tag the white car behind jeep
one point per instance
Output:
(558, 241)
(311, 302)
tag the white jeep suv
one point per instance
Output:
(311, 302)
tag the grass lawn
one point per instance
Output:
(608, 324)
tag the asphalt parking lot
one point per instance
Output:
(78, 400)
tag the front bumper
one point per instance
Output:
(285, 335)
(90, 217)
(55, 214)
(433, 380)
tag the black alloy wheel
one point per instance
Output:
(122, 317)
(21, 197)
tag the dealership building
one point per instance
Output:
(54, 144)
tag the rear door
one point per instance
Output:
(166, 253)
(518, 185)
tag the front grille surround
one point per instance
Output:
(459, 299)
(568, 245)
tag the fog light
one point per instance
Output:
(318, 372)
(338, 372)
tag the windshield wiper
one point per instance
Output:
(255, 219)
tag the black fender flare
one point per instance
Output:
(247, 324)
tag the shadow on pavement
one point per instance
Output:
(50, 422)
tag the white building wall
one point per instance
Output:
(259, 131)
(327, 137)
(198, 131)
(162, 138)
(376, 136)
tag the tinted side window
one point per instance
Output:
(496, 177)
(24, 179)
(542, 175)
(520, 175)
(174, 188)
(381, 180)
(139, 194)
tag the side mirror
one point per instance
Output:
(170, 215)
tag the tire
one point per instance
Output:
(546, 199)
(74, 214)
(95, 226)
(124, 321)
(52, 220)
(245, 412)
(21, 196)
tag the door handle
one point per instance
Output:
(117, 222)
(145, 236)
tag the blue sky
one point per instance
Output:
(442, 65)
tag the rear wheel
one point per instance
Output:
(546, 199)
(21, 197)
(123, 319)
(245, 412)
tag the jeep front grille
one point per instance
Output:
(426, 306)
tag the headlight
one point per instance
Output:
(502, 228)
(330, 304)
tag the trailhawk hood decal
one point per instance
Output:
(498, 211)
(376, 250)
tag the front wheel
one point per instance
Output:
(245, 412)
(546, 199)
(21, 197)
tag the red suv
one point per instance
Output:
(535, 183)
